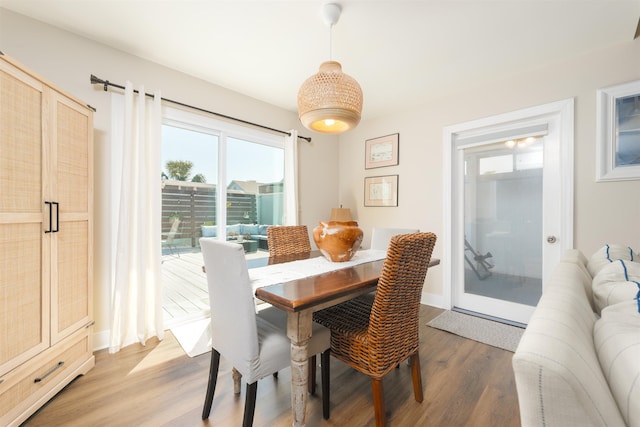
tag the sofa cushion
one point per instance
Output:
(606, 255)
(616, 282)
(233, 230)
(617, 339)
(209, 230)
(249, 228)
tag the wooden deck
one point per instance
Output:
(185, 294)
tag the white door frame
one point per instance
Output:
(557, 114)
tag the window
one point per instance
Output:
(255, 183)
(219, 179)
(189, 181)
(509, 156)
(496, 164)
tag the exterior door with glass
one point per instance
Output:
(511, 209)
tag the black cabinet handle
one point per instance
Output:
(57, 217)
(50, 218)
(49, 372)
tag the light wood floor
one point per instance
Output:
(465, 384)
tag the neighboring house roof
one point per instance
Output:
(254, 187)
(249, 187)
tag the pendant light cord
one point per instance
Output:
(330, 42)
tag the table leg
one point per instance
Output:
(299, 331)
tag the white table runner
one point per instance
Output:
(279, 273)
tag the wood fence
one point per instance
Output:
(195, 204)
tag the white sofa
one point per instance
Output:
(578, 362)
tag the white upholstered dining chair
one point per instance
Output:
(255, 344)
(380, 237)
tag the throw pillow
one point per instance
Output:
(607, 254)
(616, 282)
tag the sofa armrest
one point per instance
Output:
(558, 376)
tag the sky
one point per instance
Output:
(246, 161)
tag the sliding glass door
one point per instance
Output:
(189, 182)
(218, 180)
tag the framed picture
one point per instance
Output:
(381, 190)
(618, 132)
(381, 151)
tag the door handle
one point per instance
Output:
(551, 239)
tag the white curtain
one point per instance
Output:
(291, 178)
(136, 298)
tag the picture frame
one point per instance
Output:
(381, 190)
(382, 151)
(618, 132)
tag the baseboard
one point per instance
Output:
(100, 340)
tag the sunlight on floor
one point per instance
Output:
(162, 352)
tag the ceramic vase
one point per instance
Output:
(338, 240)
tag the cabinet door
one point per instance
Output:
(72, 160)
(24, 272)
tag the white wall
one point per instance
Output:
(604, 212)
(68, 60)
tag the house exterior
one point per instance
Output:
(332, 169)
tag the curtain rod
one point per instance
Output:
(106, 83)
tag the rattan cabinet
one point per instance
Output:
(46, 203)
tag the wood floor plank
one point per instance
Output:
(465, 383)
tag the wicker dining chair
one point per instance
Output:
(288, 240)
(374, 335)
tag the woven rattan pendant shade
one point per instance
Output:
(330, 101)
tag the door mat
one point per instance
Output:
(489, 332)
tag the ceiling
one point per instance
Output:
(402, 53)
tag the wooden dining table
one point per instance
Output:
(301, 297)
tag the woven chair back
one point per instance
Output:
(393, 323)
(288, 240)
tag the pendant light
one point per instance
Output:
(330, 101)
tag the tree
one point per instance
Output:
(199, 178)
(179, 169)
